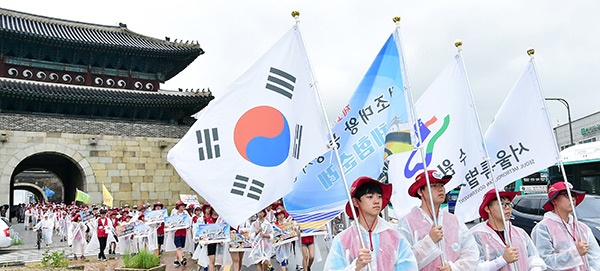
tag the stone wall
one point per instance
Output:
(129, 158)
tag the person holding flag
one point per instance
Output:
(385, 248)
(448, 239)
(494, 251)
(563, 243)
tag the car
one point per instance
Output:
(452, 197)
(528, 211)
(5, 238)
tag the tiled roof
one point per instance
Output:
(36, 26)
(57, 93)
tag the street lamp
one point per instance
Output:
(563, 101)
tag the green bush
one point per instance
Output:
(54, 259)
(144, 259)
(16, 239)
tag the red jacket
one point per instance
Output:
(102, 224)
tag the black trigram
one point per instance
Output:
(297, 141)
(207, 139)
(281, 82)
(244, 187)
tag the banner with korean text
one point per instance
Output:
(374, 124)
(448, 126)
(248, 145)
(520, 142)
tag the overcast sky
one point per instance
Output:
(343, 36)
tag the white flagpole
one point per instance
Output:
(458, 44)
(531, 52)
(434, 213)
(296, 15)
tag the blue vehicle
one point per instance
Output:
(451, 198)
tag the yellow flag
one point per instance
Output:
(81, 196)
(107, 198)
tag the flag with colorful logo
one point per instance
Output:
(107, 198)
(81, 196)
(452, 141)
(520, 141)
(374, 124)
(248, 145)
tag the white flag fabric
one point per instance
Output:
(520, 142)
(448, 125)
(246, 147)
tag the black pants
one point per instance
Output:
(102, 241)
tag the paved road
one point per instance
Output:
(28, 252)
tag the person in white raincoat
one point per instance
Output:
(126, 245)
(94, 225)
(47, 227)
(62, 225)
(261, 233)
(76, 236)
(562, 243)
(29, 218)
(385, 249)
(179, 240)
(494, 252)
(283, 251)
(453, 237)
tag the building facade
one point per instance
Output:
(83, 101)
(585, 130)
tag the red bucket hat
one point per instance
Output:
(385, 188)
(556, 188)
(489, 197)
(420, 181)
(179, 203)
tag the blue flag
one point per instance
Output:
(373, 125)
(49, 193)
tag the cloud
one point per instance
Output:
(343, 37)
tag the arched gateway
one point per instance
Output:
(83, 103)
(69, 166)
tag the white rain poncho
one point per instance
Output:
(491, 249)
(76, 237)
(557, 248)
(459, 246)
(47, 227)
(262, 250)
(391, 250)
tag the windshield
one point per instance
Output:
(588, 207)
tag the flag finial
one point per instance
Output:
(295, 14)
(458, 43)
(530, 51)
(396, 19)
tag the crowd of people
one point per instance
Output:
(89, 228)
(427, 238)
